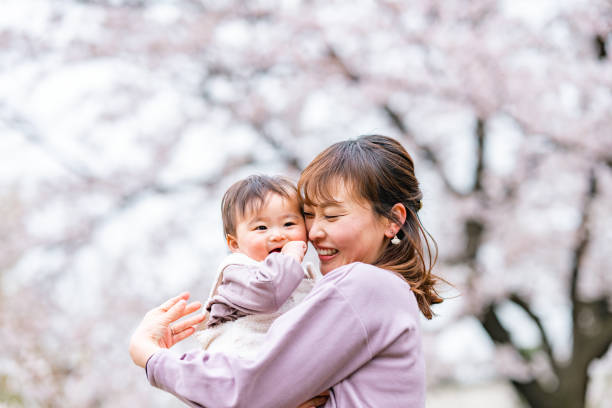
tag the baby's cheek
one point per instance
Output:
(303, 234)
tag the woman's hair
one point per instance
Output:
(249, 194)
(378, 170)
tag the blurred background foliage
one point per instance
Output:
(122, 123)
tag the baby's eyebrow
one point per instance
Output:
(265, 219)
(258, 218)
(292, 216)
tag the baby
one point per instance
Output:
(262, 277)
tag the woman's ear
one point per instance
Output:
(399, 213)
(232, 243)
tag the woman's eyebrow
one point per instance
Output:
(326, 205)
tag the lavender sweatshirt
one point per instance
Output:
(357, 333)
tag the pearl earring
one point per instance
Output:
(395, 240)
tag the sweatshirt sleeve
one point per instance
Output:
(261, 288)
(307, 350)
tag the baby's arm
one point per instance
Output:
(251, 289)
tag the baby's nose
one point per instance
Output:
(277, 235)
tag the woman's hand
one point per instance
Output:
(158, 328)
(317, 401)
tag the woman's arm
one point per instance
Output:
(308, 350)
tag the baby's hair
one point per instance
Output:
(247, 195)
(378, 170)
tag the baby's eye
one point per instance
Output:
(261, 228)
(289, 223)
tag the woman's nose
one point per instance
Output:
(315, 231)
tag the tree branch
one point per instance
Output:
(29, 132)
(87, 228)
(531, 390)
(600, 47)
(592, 320)
(480, 142)
(292, 160)
(398, 123)
(522, 303)
(493, 326)
(425, 150)
(583, 236)
(536, 396)
(346, 71)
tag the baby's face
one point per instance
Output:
(259, 233)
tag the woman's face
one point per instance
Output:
(345, 231)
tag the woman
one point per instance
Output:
(357, 333)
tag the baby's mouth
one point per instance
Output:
(275, 250)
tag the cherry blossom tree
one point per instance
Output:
(124, 121)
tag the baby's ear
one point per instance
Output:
(232, 243)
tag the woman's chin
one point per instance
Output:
(328, 263)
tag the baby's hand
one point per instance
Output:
(295, 249)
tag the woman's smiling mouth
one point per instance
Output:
(326, 251)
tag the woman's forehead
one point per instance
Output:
(332, 194)
(324, 192)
